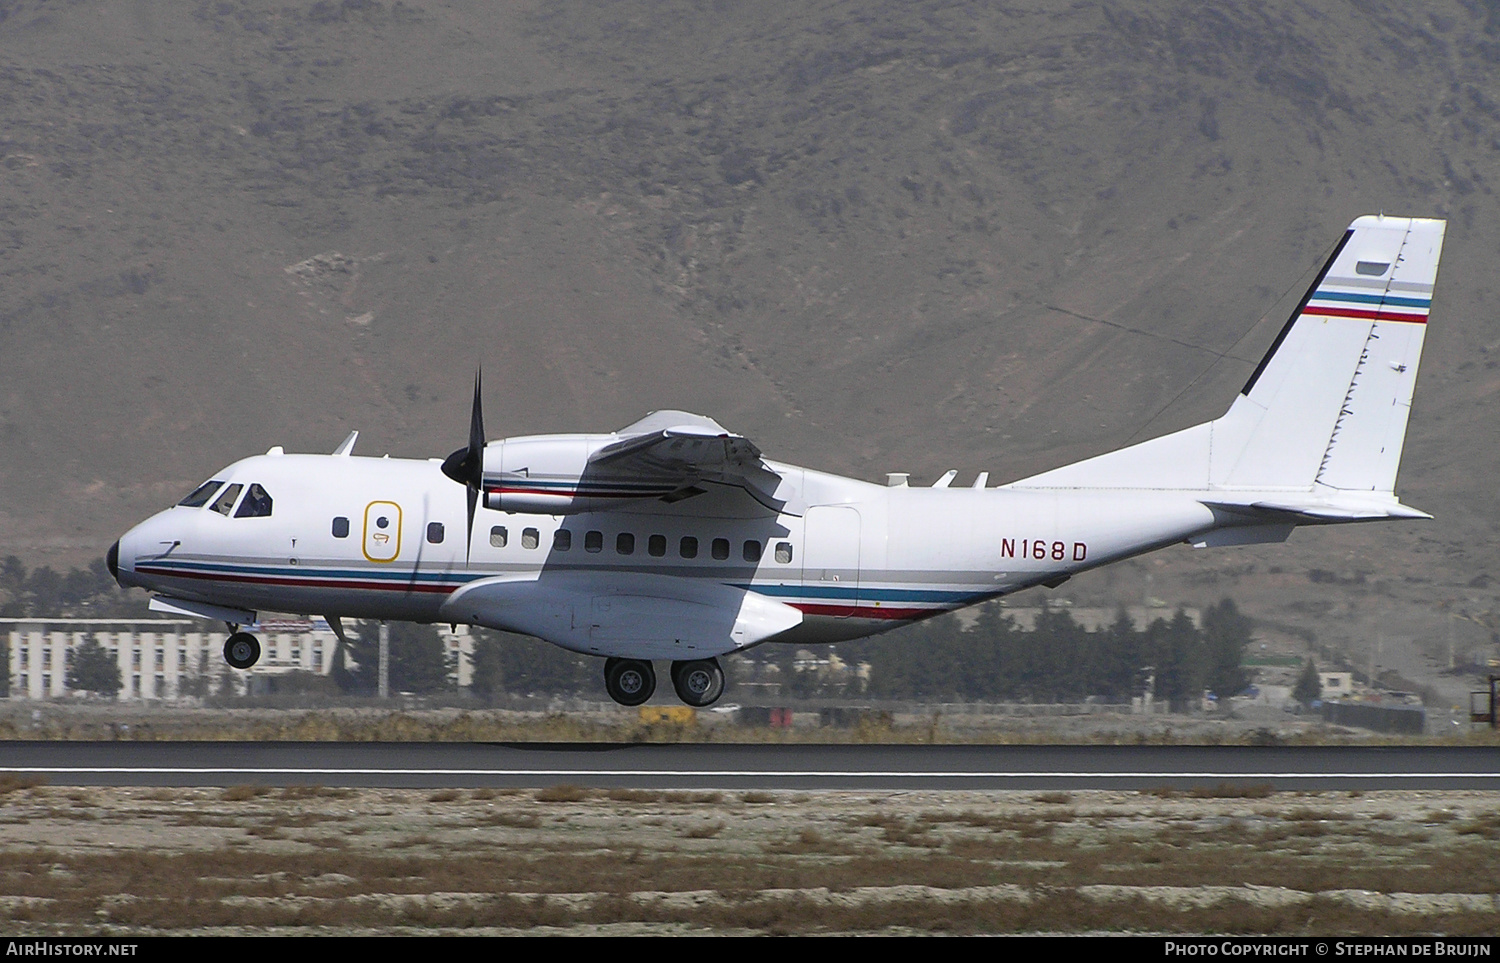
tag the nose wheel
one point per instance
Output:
(629, 682)
(241, 650)
(698, 683)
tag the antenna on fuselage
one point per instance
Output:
(346, 447)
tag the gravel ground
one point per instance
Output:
(574, 860)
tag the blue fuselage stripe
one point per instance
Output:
(405, 579)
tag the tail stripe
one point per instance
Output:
(1372, 299)
(1363, 315)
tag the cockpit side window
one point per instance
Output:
(226, 501)
(201, 494)
(257, 503)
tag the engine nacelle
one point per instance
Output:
(549, 475)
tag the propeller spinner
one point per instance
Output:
(466, 465)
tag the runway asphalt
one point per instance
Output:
(740, 766)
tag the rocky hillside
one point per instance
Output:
(873, 236)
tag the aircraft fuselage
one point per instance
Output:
(861, 559)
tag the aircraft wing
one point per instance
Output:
(685, 450)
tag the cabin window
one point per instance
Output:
(226, 501)
(751, 551)
(784, 552)
(499, 536)
(656, 545)
(435, 532)
(721, 548)
(340, 527)
(257, 504)
(593, 541)
(625, 543)
(688, 547)
(200, 495)
(530, 538)
(562, 540)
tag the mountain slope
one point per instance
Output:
(904, 236)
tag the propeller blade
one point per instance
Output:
(466, 465)
(473, 494)
(476, 433)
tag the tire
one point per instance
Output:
(699, 683)
(241, 650)
(630, 682)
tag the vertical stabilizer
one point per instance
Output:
(1326, 409)
(1329, 404)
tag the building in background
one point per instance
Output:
(174, 659)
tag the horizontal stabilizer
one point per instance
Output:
(1312, 511)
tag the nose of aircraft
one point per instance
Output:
(152, 539)
(122, 555)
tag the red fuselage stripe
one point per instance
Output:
(302, 583)
(883, 613)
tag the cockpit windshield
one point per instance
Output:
(201, 494)
(225, 502)
(257, 504)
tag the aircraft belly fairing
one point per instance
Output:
(625, 615)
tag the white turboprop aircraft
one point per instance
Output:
(673, 539)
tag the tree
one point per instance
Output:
(419, 661)
(1226, 635)
(1177, 648)
(505, 662)
(12, 575)
(92, 669)
(1309, 685)
(1122, 658)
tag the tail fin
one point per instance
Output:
(1325, 412)
(1330, 401)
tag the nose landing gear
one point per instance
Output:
(241, 650)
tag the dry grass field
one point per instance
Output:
(581, 721)
(577, 860)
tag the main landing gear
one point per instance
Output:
(241, 650)
(699, 683)
(631, 682)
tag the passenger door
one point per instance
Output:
(830, 559)
(382, 538)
